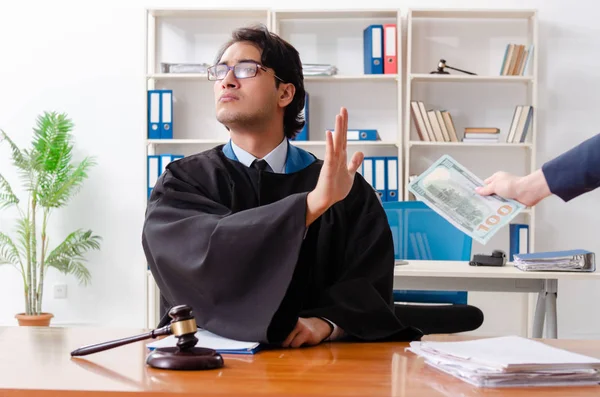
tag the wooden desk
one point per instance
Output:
(37, 361)
(460, 276)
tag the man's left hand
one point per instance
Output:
(308, 331)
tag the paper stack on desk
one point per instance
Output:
(209, 340)
(509, 361)
(572, 260)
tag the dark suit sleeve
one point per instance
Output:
(575, 172)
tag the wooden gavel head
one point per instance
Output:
(183, 326)
(186, 356)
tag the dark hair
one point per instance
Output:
(284, 59)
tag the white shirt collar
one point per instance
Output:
(276, 158)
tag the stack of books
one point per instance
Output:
(481, 135)
(509, 361)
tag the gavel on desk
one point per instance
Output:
(185, 356)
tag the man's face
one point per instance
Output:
(249, 101)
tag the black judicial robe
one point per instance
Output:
(231, 242)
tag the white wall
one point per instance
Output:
(89, 62)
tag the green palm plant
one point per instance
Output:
(49, 179)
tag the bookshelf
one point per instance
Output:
(474, 40)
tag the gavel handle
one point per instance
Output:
(460, 70)
(85, 350)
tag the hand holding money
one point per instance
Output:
(528, 190)
(449, 189)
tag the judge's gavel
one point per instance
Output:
(442, 65)
(184, 356)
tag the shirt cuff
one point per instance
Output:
(336, 333)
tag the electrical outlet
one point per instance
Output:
(60, 291)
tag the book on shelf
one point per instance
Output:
(516, 59)
(433, 125)
(481, 135)
(520, 125)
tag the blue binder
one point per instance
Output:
(518, 240)
(303, 134)
(391, 187)
(166, 103)
(160, 114)
(165, 159)
(154, 114)
(367, 170)
(380, 176)
(373, 49)
(153, 172)
(362, 135)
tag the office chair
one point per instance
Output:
(419, 233)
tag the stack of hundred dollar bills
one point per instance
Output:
(449, 189)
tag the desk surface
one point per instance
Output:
(462, 269)
(37, 361)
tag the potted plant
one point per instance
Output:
(49, 179)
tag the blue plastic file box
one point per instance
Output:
(420, 233)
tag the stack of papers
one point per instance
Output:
(510, 361)
(315, 69)
(209, 340)
(572, 260)
(184, 67)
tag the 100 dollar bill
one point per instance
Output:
(449, 189)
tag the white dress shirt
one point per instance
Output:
(276, 160)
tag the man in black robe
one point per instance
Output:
(263, 240)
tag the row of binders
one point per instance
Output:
(156, 166)
(160, 114)
(352, 134)
(382, 174)
(380, 49)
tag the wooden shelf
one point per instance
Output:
(297, 143)
(203, 76)
(465, 78)
(335, 14)
(472, 13)
(472, 144)
(186, 141)
(209, 13)
(350, 143)
(364, 77)
(179, 76)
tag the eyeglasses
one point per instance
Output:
(242, 70)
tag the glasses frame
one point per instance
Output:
(232, 68)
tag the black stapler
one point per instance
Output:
(498, 258)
